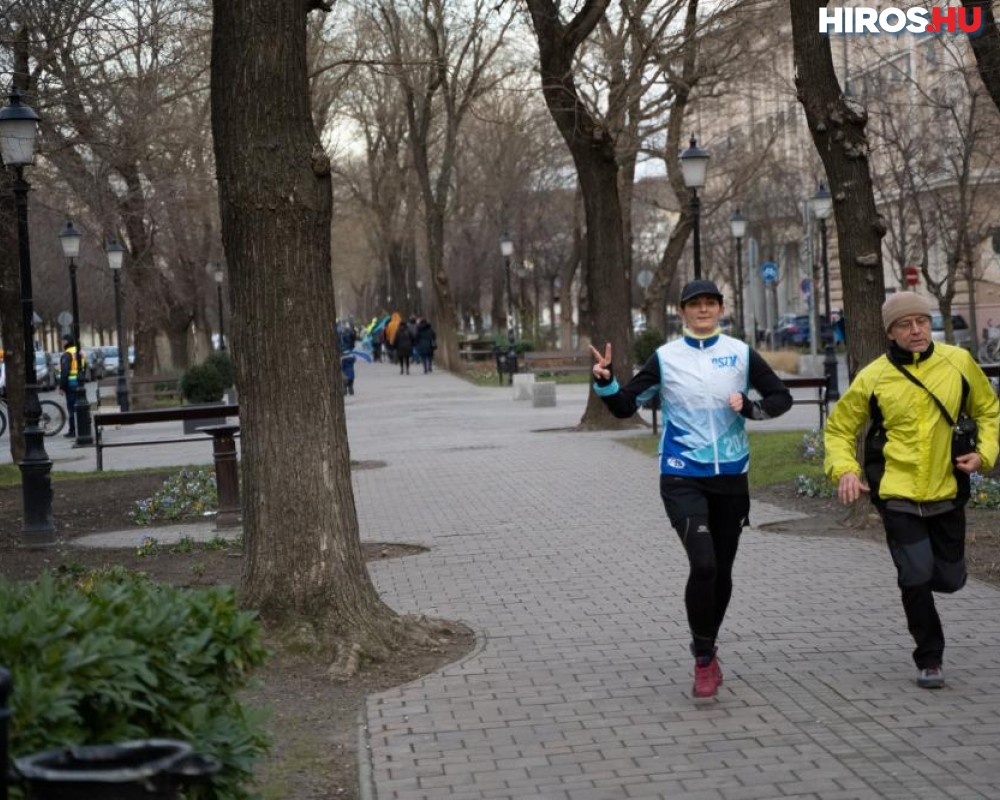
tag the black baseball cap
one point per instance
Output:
(695, 288)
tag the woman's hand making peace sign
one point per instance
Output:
(602, 365)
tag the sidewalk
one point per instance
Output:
(554, 547)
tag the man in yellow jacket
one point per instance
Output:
(919, 489)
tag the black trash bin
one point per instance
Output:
(145, 769)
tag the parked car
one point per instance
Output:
(95, 363)
(44, 374)
(109, 360)
(959, 327)
(794, 331)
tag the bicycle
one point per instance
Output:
(52, 421)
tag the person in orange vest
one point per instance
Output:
(72, 365)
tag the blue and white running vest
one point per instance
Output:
(702, 436)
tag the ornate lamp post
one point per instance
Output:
(507, 362)
(219, 278)
(18, 133)
(738, 227)
(116, 253)
(694, 166)
(70, 240)
(821, 204)
(507, 250)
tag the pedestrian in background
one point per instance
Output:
(917, 469)
(404, 348)
(426, 344)
(72, 365)
(702, 379)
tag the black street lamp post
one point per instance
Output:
(508, 361)
(70, 240)
(116, 253)
(18, 132)
(822, 205)
(219, 278)
(738, 227)
(694, 165)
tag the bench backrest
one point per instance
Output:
(166, 414)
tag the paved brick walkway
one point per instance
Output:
(554, 547)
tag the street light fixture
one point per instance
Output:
(70, 241)
(738, 227)
(18, 134)
(821, 205)
(420, 297)
(116, 253)
(694, 166)
(220, 276)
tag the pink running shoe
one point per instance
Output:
(707, 677)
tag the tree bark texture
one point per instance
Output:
(838, 132)
(303, 554)
(593, 151)
(986, 47)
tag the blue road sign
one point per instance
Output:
(769, 272)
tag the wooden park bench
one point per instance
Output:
(819, 399)
(105, 419)
(558, 362)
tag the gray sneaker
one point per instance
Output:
(930, 678)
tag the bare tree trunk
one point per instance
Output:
(10, 319)
(303, 553)
(838, 131)
(593, 151)
(986, 47)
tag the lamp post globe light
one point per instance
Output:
(220, 276)
(694, 166)
(70, 241)
(821, 205)
(18, 134)
(738, 227)
(116, 253)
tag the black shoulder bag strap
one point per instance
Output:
(961, 478)
(944, 411)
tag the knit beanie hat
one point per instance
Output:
(902, 304)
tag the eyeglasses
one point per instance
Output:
(902, 325)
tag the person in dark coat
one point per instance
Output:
(404, 348)
(426, 344)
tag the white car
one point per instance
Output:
(45, 375)
(959, 327)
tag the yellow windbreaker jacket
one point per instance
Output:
(918, 445)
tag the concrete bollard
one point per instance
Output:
(544, 395)
(524, 383)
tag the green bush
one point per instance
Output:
(202, 383)
(224, 364)
(645, 344)
(113, 656)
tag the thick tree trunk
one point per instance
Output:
(838, 131)
(986, 47)
(10, 318)
(303, 554)
(593, 152)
